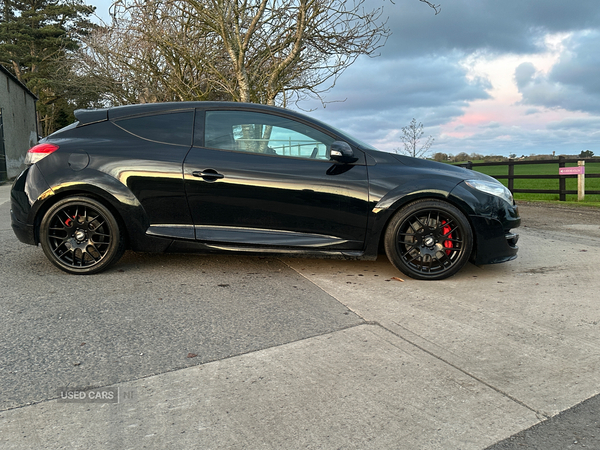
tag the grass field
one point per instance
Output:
(591, 184)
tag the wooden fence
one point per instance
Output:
(560, 162)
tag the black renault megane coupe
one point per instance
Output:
(222, 176)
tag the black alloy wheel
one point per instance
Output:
(429, 240)
(81, 236)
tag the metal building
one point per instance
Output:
(18, 124)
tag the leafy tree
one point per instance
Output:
(440, 157)
(494, 158)
(411, 137)
(586, 154)
(461, 157)
(35, 36)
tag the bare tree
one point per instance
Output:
(411, 137)
(290, 48)
(436, 8)
(150, 54)
(266, 51)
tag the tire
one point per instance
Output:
(81, 236)
(429, 240)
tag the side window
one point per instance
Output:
(173, 128)
(264, 133)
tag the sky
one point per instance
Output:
(489, 77)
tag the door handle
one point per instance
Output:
(208, 174)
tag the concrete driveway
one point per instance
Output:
(219, 352)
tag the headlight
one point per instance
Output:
(492, 188)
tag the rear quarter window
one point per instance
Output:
(171, 128)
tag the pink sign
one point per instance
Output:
(579, 170)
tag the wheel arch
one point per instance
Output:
(404, 201)
(107, 199)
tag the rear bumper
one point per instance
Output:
(24, 232)
(27, 189)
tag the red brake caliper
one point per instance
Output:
(70, 220)
(447, 242)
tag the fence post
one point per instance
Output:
(562, 184)
(581, 182)
(470, 165)
(511, 174)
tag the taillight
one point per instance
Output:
(38, 152)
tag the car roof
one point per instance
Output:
(85, 116)
(88, 116)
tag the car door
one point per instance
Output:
(266, 179)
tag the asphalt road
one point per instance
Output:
(144, 316)
(576, 428)
(155, 321)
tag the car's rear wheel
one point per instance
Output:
(429, 240)
(81, 236)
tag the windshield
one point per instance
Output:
(347, 137)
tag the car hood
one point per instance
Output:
(430, 166)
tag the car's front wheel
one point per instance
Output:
(81, 236)
(429, 240)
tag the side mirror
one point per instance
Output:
(342, 152)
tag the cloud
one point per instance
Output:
(491, 125)
(560, 139)
(588, 125)
(513, 26)
(579, 66)
(572, 84)
(524, 75)
(531, 111)
(383, 96)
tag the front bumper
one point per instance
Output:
(494, 244)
